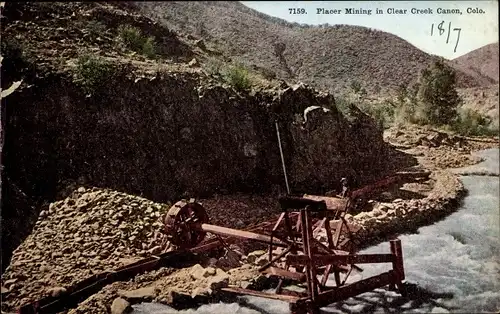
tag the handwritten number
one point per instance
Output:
(448, 37)
(441, 30)
(458, 38)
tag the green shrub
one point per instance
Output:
(213, 66)
(382, 113)
(472, 123)
(91, 72)
(342, 105)
(237, 76)
(133, 39)
(149, 48)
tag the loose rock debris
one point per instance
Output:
(90, 231)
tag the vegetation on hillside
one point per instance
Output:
(238, 75)
(433, 100)
(133, 39)
(92, 72)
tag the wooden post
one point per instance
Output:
(272, 233)
(397, 264)
(305, 244)
(312, 268)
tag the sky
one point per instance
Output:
(477, 20)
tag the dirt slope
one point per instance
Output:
(328, 58)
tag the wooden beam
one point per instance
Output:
(347, 291)
(247, 235)
(322, 260)
(281, 297)
(332, 203)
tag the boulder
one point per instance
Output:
(198, 272)
(230, 260)
(262, 260)
(362, 216)
(120, 306)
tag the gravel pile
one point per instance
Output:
(90, 231)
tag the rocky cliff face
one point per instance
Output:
(171, 135)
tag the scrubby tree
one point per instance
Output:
(402, 94)
(437, 94)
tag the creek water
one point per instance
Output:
(451, 266)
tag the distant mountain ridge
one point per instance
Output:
(329, 58)
(483, 60)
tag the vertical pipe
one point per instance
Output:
(282, 158)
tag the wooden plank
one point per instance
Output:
(332, 203)
(338, 231)
(347, 291)
(274, 230)
(322, 260)
(312, 270)
(247, 235)
(281, 297)
(305, 246)
(397, 263)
